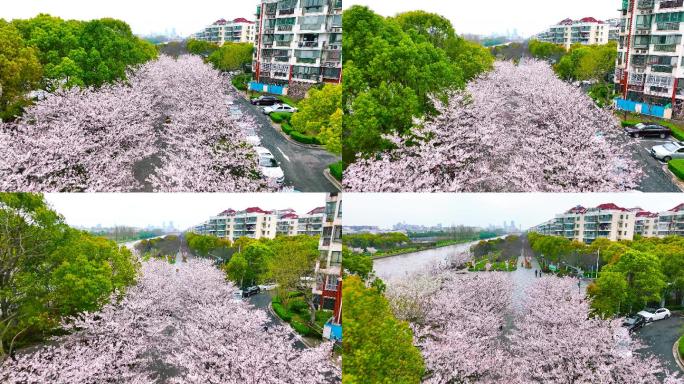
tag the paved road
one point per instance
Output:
(262, 301)
(303, 166)
(655, 178)
(659, 337)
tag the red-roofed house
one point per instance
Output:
(239, 30)
(587, 31)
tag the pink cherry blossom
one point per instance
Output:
(167, 128)
(516, 129)
(179, 324)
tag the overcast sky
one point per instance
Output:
(529, 17)
(144, 16)
(529, 209)
(185, 210)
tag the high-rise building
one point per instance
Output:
(298, 44)
(327, 289)
(223, 31)
(585, 31)
(650, 52)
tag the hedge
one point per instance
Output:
(240, 81)
(681, 347)
(287, 128)
(282, 312)
(302, 138)
(279, 117)
(302, 329)
(336, 170)
(677, 167)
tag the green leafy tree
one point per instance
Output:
(294, 258)
(320, 114)
(20, 71)
(356, 263)
(250, 266)
(232, 56)
(609, 294)
(378, 348)
(643, 276)
(49, 271)
(201, 47)
(546, 51)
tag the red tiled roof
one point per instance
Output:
(220, 22)
(588, 20)
(577, 209)
(677, 208)
(565, 22)
(610, 206)
(646, 214)
(242, 20)
(255, 210)
(316, 210)
(290, 216)
(227, 212)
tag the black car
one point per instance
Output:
(634, 322)
(250, 291)
(265, 100)
(648, 130)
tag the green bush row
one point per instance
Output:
(336, 170)
(302, 329)
(677, 167)
(302, 138)
(240, 81)
(279, 117)
(282, 312)
(681, 347)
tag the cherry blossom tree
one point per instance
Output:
(556, 340)
(518, 128)
(178, 325)
(166, 128)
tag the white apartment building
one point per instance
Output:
(588, 224)
(587, 31)
(650, 52)
(298, 43)
(646, 224)
(327, 289)
(222, 31)
(671, 222)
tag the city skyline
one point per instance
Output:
(184, 210)
(145, 18)
(528, 17)
(482, 210)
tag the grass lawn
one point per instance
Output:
(481, 266)
(298, 314)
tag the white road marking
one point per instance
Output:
(283, 153)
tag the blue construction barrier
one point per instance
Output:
(642, 108)
(267, 88)
(332, 331)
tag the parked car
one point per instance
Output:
(634, 322)
(648, 130)
(269, 165)
(265, 100)
(279, 108)
(668, 151)
(251, 291)
(268, 287)
(650, 314)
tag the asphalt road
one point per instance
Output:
(303, 166)
(659, 337)
(261, 301)
(655, 178)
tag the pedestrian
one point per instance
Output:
(535, 273)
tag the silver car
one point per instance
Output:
(668, 151)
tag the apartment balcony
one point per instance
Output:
(671, 4)
(281, 59)
(290, 11)
(661, 68)
(283, 43)
(305, 76)
(645, 4)
(284, 28)
(665, 47)
(668, 26)
(308, 44)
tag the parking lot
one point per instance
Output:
(659, 337)
(655, 179)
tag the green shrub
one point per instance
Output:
(287, 128)
(279, 117)
(677, 167)
(282, 312)
(276, 299)
(302, 329)
(681, 347)
(295, 294)
(302, 138)
(677, 132)
(629, 123)
(336, 170)
(299, 306)
(240, 81)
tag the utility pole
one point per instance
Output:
(598, 256)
